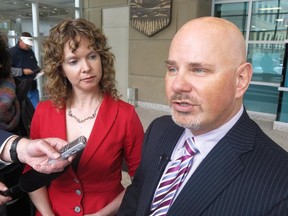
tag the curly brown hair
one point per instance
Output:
(57, 86)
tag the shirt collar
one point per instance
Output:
(206, 142)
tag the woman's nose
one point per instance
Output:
(86, 66)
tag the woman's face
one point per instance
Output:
(82, 68)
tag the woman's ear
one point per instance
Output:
(243, 76)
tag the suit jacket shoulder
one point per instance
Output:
(244, 174)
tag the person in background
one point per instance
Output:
(9, 121)
(24, 64)
(33, 152)
(80, 73)
(9, 106)
(209, 157)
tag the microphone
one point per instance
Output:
(163, 161)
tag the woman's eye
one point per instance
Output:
(93, 56)
(72, 62)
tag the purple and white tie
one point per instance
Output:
(172, 179)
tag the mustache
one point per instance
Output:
(186, 97)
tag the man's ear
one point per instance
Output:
(243, 76)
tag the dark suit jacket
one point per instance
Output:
(3, 136)
(245, 174)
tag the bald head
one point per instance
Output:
(215, 36)
(207, 73)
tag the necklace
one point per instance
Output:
(87, 118)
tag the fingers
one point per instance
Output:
(3, 199)
(56, 142)
(54, 145)
(27, 71)
(57, 166)
(38, 152)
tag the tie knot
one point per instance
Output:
(190, 147)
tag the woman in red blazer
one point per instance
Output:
(84, 101)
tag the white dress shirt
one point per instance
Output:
(204, 143)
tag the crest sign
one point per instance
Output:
(150, 16)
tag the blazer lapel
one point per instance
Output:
(216, 171)
(102, 126)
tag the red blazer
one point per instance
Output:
(117, 134)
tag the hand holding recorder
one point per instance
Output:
(71, 149)
(32, 180)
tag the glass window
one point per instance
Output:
(16, 15)
(267, 61)
(284, 82)
(49, 15)
(268, 29)
(234, 12)
(282, 114)
(260, 98)
(269, 18)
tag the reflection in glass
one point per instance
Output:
(259, 98)
(234, 12)
(269, 21)
(284, 82)
(282, 114)
(266, 60)
(266, 32)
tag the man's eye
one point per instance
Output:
(198, 70)
(172, 69)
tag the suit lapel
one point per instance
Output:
(158, 155)
(216, 171)
(57, 122)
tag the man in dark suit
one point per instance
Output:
(237, 169)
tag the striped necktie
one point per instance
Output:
(172, 179)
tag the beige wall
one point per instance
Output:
(147, 54)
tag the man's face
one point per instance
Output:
(24, 46)
(200, 80)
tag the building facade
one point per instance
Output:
(140, 67)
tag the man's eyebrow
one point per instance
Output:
(195, 64)
(170, 62)
(200, 65)
(191, 64)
